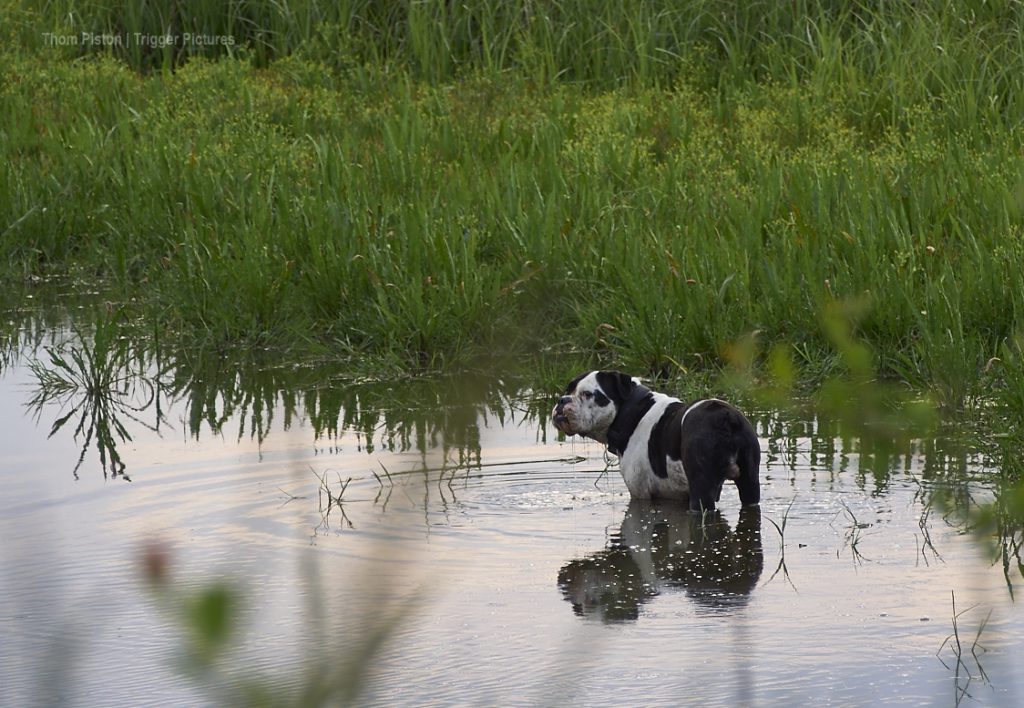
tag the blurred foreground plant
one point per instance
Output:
(853, 395)
(333, 671)
(886, 417)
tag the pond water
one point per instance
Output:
(439, 543)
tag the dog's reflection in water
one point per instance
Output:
(663, 546)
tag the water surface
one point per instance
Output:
(500, 565)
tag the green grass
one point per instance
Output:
(638, 184)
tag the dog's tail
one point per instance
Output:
(733, 470)
(744, 458)
(737, 440)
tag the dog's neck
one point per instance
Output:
(627, 418)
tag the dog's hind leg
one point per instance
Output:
(703, 495)
(748, 483)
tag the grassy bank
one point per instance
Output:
(640, 185)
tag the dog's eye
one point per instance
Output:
(586, 395)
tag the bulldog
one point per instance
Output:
(666, 448)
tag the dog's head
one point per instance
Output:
(590, 403)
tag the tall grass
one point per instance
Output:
(603, 42)
(425, 182)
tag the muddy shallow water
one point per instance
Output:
(496, 564)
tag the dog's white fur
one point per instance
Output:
(635, 465)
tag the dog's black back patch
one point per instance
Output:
(666, 438)
(632, 401)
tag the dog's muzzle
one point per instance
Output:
(559, 417)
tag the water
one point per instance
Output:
(496, 564)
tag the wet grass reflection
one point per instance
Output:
(99, 387)
(105, 383)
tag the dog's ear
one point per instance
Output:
(572, 384)
(616, 385)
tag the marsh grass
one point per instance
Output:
(420, 185)
(852, 535)
(335, 500)
(781, 529)
(963, 674)
(825, 196)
